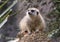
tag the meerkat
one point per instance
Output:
(32, 21)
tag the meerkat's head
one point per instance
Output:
(33, 12)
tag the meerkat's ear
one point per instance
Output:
(37, 13)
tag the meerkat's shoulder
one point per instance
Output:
(24, 20)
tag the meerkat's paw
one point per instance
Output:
(23, 34)
(20, 35)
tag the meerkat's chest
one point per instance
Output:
(34, 23)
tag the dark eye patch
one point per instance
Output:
(32, 10)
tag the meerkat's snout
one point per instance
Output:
(31, 12)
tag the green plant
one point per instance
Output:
(55, 20)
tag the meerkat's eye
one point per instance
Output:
(37, 13)
(32, 10)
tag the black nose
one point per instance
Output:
(32, 10)
(29, 13)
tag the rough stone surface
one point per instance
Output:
(35, 37)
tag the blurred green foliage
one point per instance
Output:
(55, 18)
(4, 16)
(3, 3)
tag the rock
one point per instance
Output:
(36, 37)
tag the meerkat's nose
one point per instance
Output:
(29, 13)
